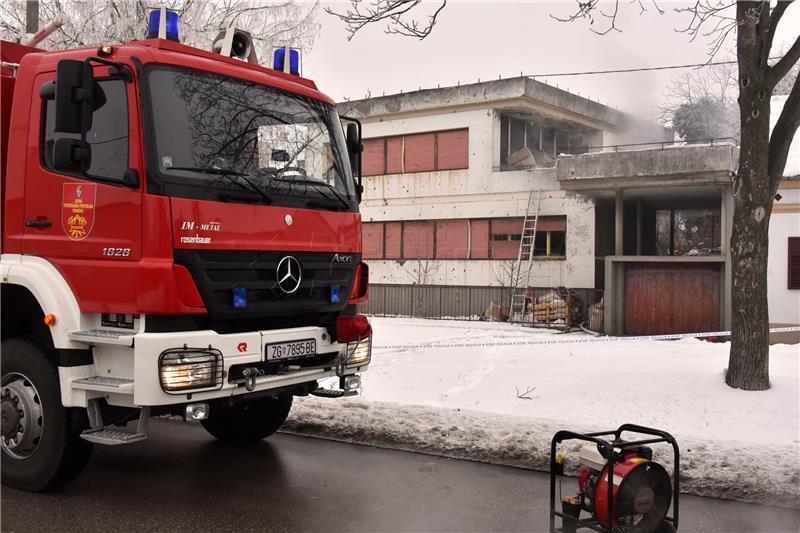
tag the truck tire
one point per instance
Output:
(41, 446)
(248, 422)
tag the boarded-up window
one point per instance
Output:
(373, 161)
(418, 240)
(419, 152)
(452, 150)
(479, 239)
(505, 238)
(372, 236)
(452, 239)
(794, 262)
(394, 155)
(393, 241)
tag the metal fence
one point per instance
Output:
(547, 307)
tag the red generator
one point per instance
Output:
(620, 487)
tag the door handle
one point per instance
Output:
(38, 223)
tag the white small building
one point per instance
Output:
(784, 237)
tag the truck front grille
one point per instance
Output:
(218, 272)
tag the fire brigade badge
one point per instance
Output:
(77, 209)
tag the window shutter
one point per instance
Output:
(452, 150)
(550, 223)
(372, 235)
(479, 235)
(452, 239)
(372, 158)
(419, 152)
(418, 240)
(394, 155)
(794, 262)
(393, 240)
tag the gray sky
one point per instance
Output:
(485, 39)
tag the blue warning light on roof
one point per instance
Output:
(279, 60)
(155, 22)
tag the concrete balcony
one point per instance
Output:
(669, 166)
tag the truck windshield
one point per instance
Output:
(225, 138)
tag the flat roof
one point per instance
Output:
(489, 94)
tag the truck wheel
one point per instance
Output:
(248, 422)
(41, 447)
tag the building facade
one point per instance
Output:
(451, 173)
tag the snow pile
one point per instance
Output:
(502, 404)
(721, 469)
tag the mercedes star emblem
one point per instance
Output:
(289, 274)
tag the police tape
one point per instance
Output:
(580, 340)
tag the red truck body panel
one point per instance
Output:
(150, 226)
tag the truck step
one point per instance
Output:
(112, 437)
(102, 336)
(333, 393)
(104, 384)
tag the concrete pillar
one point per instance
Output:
(618, 234)
(638, 227)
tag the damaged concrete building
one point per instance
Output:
(622, 213)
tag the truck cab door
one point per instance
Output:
(89, 225)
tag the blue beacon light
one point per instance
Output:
(279, 61)
(154, 24)
(239, 297)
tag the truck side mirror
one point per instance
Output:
(72, 155)
(354, 149)
(75, 96)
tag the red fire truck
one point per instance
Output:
(180, 235)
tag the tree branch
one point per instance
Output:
(777, 71)
(774, 19)
(395, 12)
(783, 134)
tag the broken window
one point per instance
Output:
(550, 244)
(693, 231)
(535, 142)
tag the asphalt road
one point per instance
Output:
(182, 480)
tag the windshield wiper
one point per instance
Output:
(317, 183)
(228, 174)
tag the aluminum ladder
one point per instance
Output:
(521, 275)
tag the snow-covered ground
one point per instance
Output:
(465, 401)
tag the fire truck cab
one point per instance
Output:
(180, 235)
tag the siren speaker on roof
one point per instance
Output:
(235, 43)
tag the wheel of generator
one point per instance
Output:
(249, 421)
(41, 444)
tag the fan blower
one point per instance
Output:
(620, 487)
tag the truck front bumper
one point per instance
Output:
(236, 363)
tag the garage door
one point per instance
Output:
(671, 298)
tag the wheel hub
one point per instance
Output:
(21, 414)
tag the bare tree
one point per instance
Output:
(92, 22)
(421, 271)
(397, 14)
(510, 274)
(701, 104)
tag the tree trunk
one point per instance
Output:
(748, 366)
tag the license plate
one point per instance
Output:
(291, 350)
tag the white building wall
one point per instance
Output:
(784, 304)
(477, 192)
